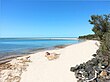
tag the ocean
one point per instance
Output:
(20, 46)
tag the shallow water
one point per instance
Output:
(17, 46)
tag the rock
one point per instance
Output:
(11, 71)
(73, 69)
(94, 55)
(103, 73)
(80, 80)
(79, 75)
(16, 79)
(105, 64)
(94, 61)
(89, 68)
(108, 68)
(85, 74)
(108, 77)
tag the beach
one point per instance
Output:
(37, 68)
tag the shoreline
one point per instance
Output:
(64, 62)
(33, 51)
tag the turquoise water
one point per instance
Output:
(15, 46)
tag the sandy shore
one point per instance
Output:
(40, 69)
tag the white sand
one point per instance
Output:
(58, 70)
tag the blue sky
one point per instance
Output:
(33, 18)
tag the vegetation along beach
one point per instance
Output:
(54, 41)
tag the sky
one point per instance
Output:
(47, 18)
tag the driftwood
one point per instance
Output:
(51, 56)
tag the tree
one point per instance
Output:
(101, 24)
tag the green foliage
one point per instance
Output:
(101, 24)
(101, 28)
(90, 37)
(101, 60)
